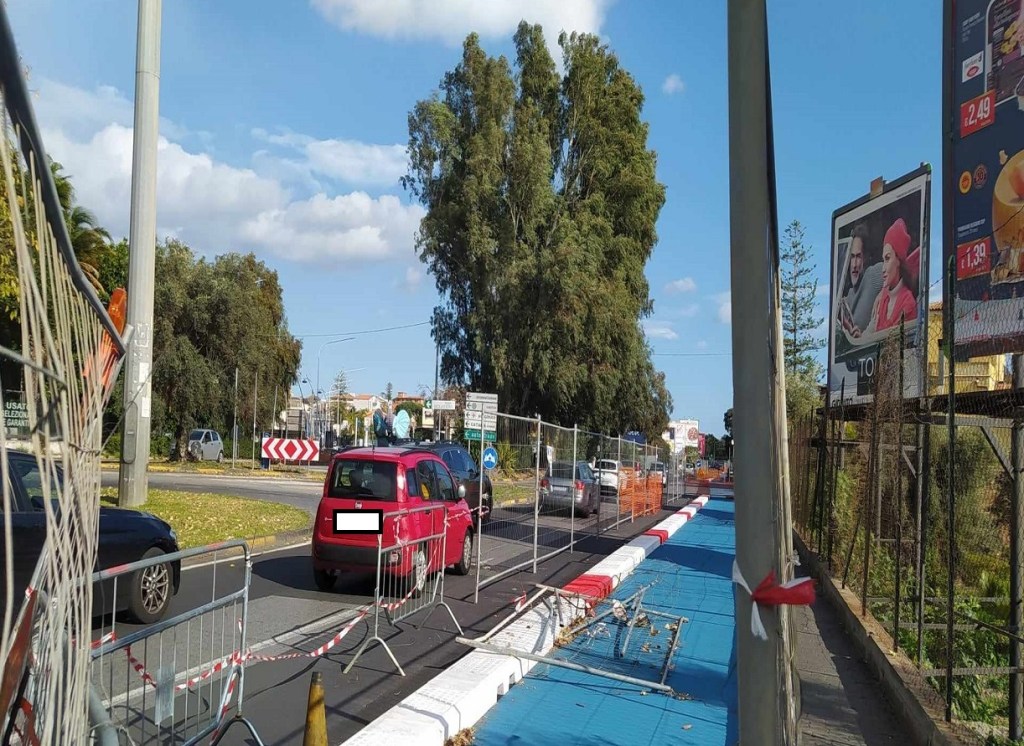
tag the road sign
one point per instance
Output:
(469, 434)
(490, 459)
(476, 419)
(440, 405)
(478, 402)
(290, 449)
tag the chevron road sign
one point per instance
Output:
(290, 449)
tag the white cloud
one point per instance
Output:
(673, 84)
(211, 205)
(702, 345)
(413, 276)
(688, 312)
(724, 301)
(348, 161)
(682, 285)
(822, 291)
(659, 330)
(349, 226)
(451, 20)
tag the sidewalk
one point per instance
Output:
(842, 702)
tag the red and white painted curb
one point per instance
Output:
(461, 695)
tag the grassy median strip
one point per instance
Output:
(243, 469)
(511, 494)
(200, 518)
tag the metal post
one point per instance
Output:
(536, 499)
(618, 482)
(132, 481)
(951, 486)
(572, 504)
(480, 511)
(1016, 556)
(234, 424)
(255, 389)
(766, 697)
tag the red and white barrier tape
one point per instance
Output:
(796, 592)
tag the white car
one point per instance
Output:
(658, 468)
(610, 476)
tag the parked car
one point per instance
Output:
(610, 477)
(658, 469)
(563, 487)
(466, 473)
(124, 536)
(205, 445)
(391, 479)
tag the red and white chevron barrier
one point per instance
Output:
(290, 449)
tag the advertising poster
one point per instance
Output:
(879, 282)
(985, 174)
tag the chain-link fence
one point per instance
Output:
(920, 515)
(555, 485)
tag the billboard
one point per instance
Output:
(879, 280)
(983, 174)
(682, 434)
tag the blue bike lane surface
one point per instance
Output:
(689, 576)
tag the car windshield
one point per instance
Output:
(658, 466)
(365, 478)
(607, 466)
(195, 435)
(583, 471)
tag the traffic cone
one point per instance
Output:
(315, 733)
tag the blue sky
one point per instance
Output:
(284, 127)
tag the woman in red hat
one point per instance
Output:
(896, 302)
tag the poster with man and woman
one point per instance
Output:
(879, 284)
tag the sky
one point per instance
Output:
(284, 124)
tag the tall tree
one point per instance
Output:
(799, 322)
(799, 290)
(541, 201)
(727, 420)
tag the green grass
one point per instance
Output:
(243, 469)
(505, 493)
(200, 518)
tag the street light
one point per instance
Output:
(302, 404)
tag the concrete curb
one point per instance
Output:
(915, 702)
(461, 695)
(263, 544)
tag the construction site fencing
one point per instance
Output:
(413, 551)
(917, 506)
(552, 488)
(175, 680)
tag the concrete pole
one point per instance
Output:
(255, 390)
(234, 424)
(767, 700)
(132, 483)
(1016, 557)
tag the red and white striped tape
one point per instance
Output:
(796, 592)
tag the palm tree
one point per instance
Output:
(89, 240)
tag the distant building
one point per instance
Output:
(987, 373)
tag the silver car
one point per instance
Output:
(205, 445)
(560, 488)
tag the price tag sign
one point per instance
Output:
(974, 258)
(977, 113)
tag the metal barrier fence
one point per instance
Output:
(172, 681)
(919, 512)
(410, 571)
(553, 486)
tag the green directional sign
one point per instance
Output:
(428, 404)
(475, 435)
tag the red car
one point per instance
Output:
(391, 479)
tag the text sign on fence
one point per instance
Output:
(15, 413)
(290, 449)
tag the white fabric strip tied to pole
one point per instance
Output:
(795, 592)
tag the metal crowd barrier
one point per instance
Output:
(409, 574)
(175, 680)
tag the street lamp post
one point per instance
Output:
(325, 344)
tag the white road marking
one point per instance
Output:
(236, 558)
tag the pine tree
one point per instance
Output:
(799, 288)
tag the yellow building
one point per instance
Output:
(977, 374)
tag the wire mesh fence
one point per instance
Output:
(919, 514)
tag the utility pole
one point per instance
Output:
(766, 684)
(138, 399)
(234, 424)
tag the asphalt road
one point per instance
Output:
(298, 493)
(287, 614)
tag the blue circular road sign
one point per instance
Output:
(490, 459)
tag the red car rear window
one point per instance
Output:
(374, 480)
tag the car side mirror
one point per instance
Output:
(462, 492)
